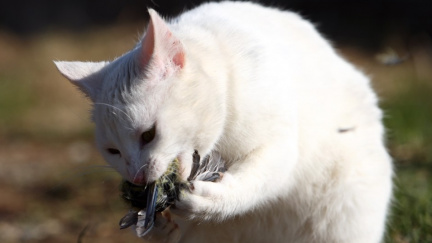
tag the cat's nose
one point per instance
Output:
(139, 179)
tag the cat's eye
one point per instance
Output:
(148, 136)
(113, 151)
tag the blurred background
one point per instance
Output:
(54, 187)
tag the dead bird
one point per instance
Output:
(147, 200)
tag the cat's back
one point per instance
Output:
(232, 11)
(253, 21)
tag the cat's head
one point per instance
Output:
(145, 116)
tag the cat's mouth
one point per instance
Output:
(154, 170)
(155, 197)
(188, 167)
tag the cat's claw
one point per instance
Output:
(204, 201)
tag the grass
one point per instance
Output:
(411, 217)
(409, 119)
(50, 194)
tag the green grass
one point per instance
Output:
(15, 98)
(411, 216)
(409, 121)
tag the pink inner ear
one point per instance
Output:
(161, 47)
(179, 59)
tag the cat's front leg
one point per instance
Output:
(263, 175)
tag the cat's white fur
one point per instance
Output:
(298, 126)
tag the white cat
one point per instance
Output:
(298, 126)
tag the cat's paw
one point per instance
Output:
(206, 200)
(165, 230)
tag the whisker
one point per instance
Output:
(168, 179)
(115, 108)
(139, 170)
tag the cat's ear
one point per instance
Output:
(160, 49)
(83, 74)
